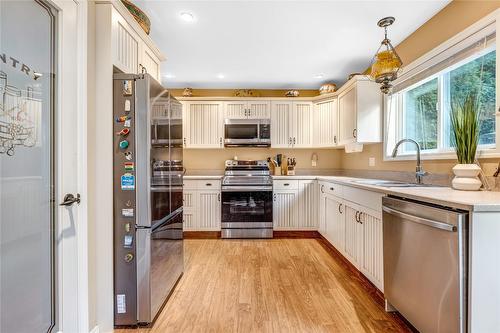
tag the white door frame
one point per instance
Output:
(72, 307)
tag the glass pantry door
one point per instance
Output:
(27, 170)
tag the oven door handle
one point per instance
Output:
(246, 188)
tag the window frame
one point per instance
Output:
(480, 29)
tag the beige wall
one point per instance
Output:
(213, 159)
(454, 18)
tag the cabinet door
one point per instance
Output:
(325, 124)
(347, 116)
(281, 136)
(353, 246)
(259, 109)
(203, 125)
(149, 62)
(321, 209)
(189, 211)
(302, 124)
(125, 46)
(209, 217)
(335, 222)
(308, 205)
(285, 210)
(236, 110)
(372, 264)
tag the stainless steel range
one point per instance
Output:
(247, 200)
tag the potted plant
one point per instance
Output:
(465, 127)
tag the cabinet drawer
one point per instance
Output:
(209, 184)
(190, 184)
(332, 188)
(285, 184)
(369, 199)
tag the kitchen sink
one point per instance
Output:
(390, 183)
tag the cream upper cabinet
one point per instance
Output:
(291, 124)
(360, 112)
(259, 109)
(149, 63)
(281, 124)
(203, 125)
(302, 124)
(247, 109)
(325, 123)
(132, 51)
(125, 44)
(347, 116)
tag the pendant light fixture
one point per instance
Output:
(386, 63)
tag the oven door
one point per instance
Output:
(247, 207)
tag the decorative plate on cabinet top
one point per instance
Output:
(138, 15)
(245, 93)
(327, 88)
(292, 93)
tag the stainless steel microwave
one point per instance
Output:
(247, 132)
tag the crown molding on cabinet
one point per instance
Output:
(117, 4)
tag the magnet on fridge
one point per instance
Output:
(123, 144)
(129, 166)
(122, 119)
(123, 132)
(127, 181)
(127, 123)
(128, 212)
(128, 155)
(127, 87)
(127, 105)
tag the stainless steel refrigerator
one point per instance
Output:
(148, 225)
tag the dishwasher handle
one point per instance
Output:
(421, 220)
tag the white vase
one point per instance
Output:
(466, 177)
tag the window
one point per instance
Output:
(420, 105)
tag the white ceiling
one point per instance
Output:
(275, 44)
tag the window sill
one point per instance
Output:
(487, 153)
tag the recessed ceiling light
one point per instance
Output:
(220, 76)
(169, 76)
(319, 76)
(187, 16)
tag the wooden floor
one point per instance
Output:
(278, 285)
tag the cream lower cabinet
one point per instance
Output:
(295, 205)
(203, 124)
(202, 205)
(354, 228)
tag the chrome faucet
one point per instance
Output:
(419, 171)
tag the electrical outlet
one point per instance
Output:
(314, 163)
(371, 161)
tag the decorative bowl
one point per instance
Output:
(292, 93)
(188, 92)
(327, 88)
(245, 93)
(138, 15)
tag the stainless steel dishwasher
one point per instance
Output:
(425, 264)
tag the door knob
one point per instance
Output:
(70, 199)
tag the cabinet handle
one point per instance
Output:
(322, 188)
(218, 196)
(340, 209)
(356, 217)
(359, 217)
(294, 138)
(354, 133)
(289, 141)
(184, 142)
(208, 184)
(332, 189)
(220, 141)
(334, 139)
(274, 197)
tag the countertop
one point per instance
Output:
(477, 201)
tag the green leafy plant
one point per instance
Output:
(465, 126)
